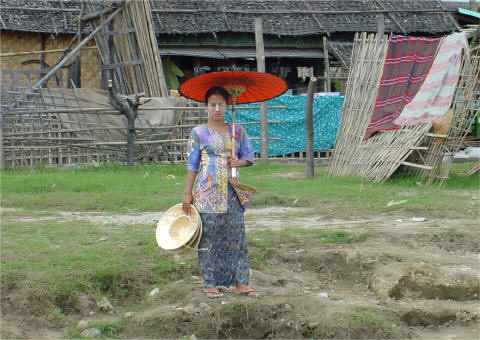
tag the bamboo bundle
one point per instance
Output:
(362, 86)
(384, 152)
(134, 49)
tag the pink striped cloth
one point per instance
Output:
(405, 68)
(434, 97)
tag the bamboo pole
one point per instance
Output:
(263, 110)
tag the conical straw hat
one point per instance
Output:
(193, 243)
(175, 229)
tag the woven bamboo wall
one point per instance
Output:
(12, 42)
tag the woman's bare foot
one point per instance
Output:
(246, 290)
(213, 293)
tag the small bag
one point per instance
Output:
(244, 192)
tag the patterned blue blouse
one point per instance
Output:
(207, 154)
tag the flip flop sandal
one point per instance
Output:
(213, 295)
(249, 293)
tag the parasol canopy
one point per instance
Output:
(243, 86)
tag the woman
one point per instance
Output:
(224, 262)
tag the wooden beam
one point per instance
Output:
(309, 127)
(435, 135)
(339, 56)
(283, 11)
(316, 19)
(326, 82)
(91, 16)
(236, 11)
(263, 106)
(39, 9)
(449, 15)
(381, 23)
(391, 17)
(2, 154)
(426, 167)
(16, 54)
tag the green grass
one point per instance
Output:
(262, 242)
(110, 187)
(53, 260)
(109, 330)
(266, 239)
(363, 321)
(116, 188)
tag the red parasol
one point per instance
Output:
(243, 86)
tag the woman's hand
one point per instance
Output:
(234, 162)
(187, 201)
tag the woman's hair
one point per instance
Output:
(216, 90)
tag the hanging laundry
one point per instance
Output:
(304, 72)
(405, 68)
(436, 93)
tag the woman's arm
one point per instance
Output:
(193, 163)
(245, 152)
(188, 197)
(234, 162)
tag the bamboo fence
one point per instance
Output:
(57, 127)
(51, 127)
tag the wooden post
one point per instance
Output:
(42, 56)
(326, 82)
(381, 24)
(263, 106)
(131, 134)
(2, 155)
(309, 127)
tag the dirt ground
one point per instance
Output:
(407, 279)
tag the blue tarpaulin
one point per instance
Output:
(326, 119)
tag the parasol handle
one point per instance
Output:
(233, 126)
(234, 170)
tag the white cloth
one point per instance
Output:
(304, 72)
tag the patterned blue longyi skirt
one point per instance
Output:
(225, 260)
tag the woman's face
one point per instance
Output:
(216, 107)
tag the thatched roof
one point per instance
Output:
(280, 17)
